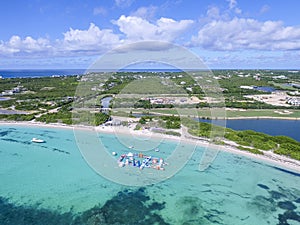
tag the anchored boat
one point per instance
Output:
(36, 140)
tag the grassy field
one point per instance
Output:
(151, 85)
(264, 113)
(206, 112)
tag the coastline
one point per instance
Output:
(268, 157)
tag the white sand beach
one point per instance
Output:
(267, 157)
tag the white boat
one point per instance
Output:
(36, 140)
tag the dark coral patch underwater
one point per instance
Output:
(11, 214)
(126, 208)
(282, 199)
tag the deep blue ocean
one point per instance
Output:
(13, 73)
(40, 73)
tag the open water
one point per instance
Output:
(26, 73)
(51, 183)
(273, 127)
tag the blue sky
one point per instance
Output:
(224, 33)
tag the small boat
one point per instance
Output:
(36, 140)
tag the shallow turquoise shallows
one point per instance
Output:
(51, 183)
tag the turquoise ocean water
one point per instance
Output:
(51, 183)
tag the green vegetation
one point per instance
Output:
(100, 118)
(138, 127)
(174, 133)
(59, 117)
(44, 88)
(63, 115)
(218, 142)
(171, 122)
(89, 118)
(252, 150)
(288, 147)
(207, 112)
(38, 96)
(17, 117)
(280, 144)
(51, 100)
(255, 141)
(142, 120)
(251, 138)
(145, 104)
(282, 86)
(232, 86)
(206, 130)
(168, 132)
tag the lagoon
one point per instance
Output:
(265, 89)
(10, 112)
(105, 102)
(273, 127)
(4, 98)
(50, 183)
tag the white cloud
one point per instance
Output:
(218, 31)
(264, 9)
(93, 39)
(99, 11)
(213, 12)
(145, 12)
(144, 45)
(90, 41)
(242, 33)
(16, 45)
(232, 4)
(123, 3)
(237, 10)
(164, 29)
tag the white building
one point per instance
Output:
(247, 87)
(293, 101)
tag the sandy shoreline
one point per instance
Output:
(268, 157)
